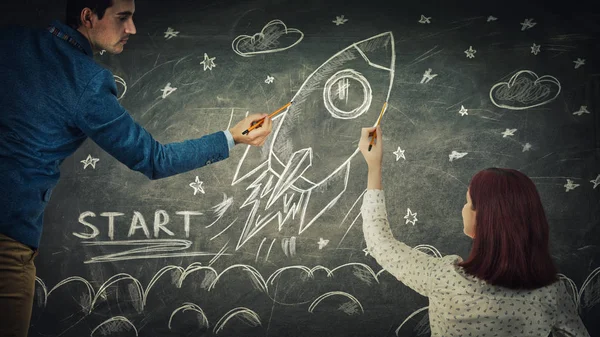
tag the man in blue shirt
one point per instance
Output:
(59, 96)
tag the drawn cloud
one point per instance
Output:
(274, 37)
(525, 90)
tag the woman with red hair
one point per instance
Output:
(508, 286)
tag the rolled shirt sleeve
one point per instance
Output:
(230, 141)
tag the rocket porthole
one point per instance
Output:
(334, 89)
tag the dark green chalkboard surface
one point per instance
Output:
(269, 241)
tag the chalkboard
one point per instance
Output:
(269, 241)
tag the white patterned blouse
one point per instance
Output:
(463, 305)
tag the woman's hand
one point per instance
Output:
(373, 157)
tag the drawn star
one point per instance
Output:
(425, 19)
(170, 33)
(322, 243)
(339, 20)
(581, 111)
(535, 49)
(457, 155)
(596, 181)
(570, 185)
(269, 79)
(209, 62)
(526, 147)
(197, 186)
(463, 111)
(90, 161)
(399, 154)
(410, 217)
(508, 132)
(470, 52)
(167, 90)
(491, 18)
(579, 62)
(527, 23)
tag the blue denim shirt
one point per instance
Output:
(54, 95)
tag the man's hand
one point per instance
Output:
(257, 136)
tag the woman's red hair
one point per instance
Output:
(510, 246)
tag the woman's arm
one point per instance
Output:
(412, 267)
(374, 179)
(567, 323)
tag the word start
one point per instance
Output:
(137, 224)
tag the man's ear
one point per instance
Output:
(86, 18)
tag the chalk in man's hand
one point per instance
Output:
(259, 123)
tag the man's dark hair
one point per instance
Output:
(74, 8)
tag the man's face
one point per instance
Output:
(111, 33)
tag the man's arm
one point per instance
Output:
(102, 118)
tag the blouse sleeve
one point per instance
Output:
(568, 323)
(412, 267)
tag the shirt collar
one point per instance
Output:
(76, 35)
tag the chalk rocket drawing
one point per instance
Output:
(525, 90)
(299, 173)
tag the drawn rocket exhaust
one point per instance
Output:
(315, 139)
